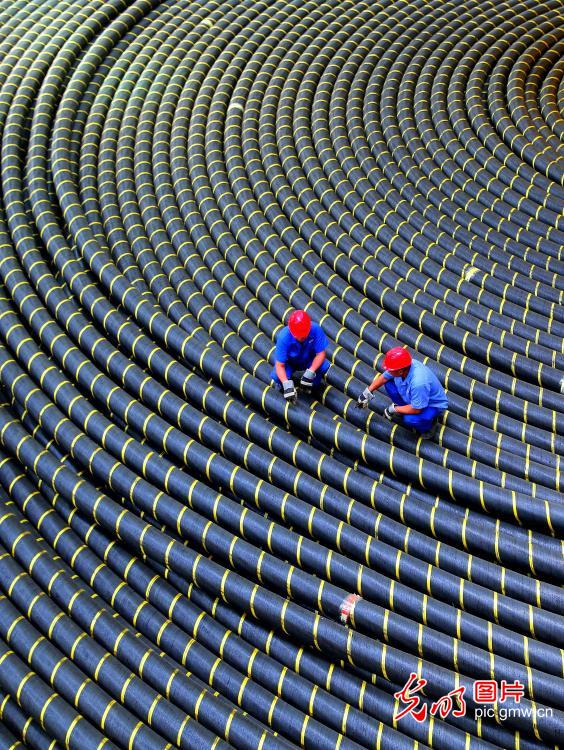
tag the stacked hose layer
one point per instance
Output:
(179, 545)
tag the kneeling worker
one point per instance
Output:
(299, 346)
(418, 399)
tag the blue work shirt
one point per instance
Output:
(420, 388)
(290, 350)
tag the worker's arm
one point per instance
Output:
(378, 382)
(318, 360)
(419, 395)
(281, 371)
(366, 396)
(407, 409)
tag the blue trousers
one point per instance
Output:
(291, 367)
(421, 422)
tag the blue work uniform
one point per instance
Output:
(421, 389)
(298, 355)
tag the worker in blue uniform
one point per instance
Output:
(300, 346)
(418, 399)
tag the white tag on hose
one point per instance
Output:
(470, 272)
(347, 607)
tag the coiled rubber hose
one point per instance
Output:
(179, 546)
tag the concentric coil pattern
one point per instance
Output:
(177, 542)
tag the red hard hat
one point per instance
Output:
(299, 324)
(397, 359)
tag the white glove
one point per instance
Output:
(289, 389)
(389, 411)
(364, 399)
(307, 380)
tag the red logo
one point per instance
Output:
(512, 690)
(485, 691)
(445, 704)
(411, 701)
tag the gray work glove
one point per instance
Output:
(390, 413)
(290, 393)
(307, 380)
(365, 398)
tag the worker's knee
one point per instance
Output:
(423, 421)
(421, 425)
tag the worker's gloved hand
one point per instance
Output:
(307, 380)
(389, 413)
(365, 398)
(290, 393)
